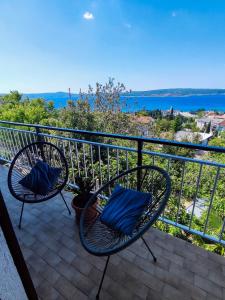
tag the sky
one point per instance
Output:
(53, 45)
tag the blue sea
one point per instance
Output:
(189, 103)
(135, 103)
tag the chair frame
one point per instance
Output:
(94, 198)
(39, 145)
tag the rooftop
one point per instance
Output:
(222, 123)
(62, 269)
(143, 119)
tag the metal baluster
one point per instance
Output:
(32, 140)
(1, 142)
(7, 146)
(71, 160)
(64, 151)
(77, 157)
(4, 145)
(100, 164)
(92, 165)
(211, 198)
(117, 161)
(25, 137)
(127, 168)
(22, 139)
(151, 175)
(196, 194)
(181, 190)
(108, 163)
(139, 164)
(13, 139)
(12, 143)
(84, 158)
(16, 147)
(28, 138)
(168, 169)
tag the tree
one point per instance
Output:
(108, 107)
(208, 127)
(38, 111)
(14, 97)
(177, 124)
(171, 116)
(107, 96)
(78, 115)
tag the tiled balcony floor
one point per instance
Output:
(62, 269)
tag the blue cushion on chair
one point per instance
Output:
(41, 179)
(124, 209)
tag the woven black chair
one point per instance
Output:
(22, 164)
(100, 240)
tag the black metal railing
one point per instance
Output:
(106, 158)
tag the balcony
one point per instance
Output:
(62, 269)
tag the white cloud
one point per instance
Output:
(88, 16)
(174, 14)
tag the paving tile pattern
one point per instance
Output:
(62, 269)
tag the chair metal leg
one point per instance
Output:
(65, 202)
(154, 257)
(103, 276)
(21, 215)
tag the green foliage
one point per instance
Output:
(163, 125)
(14, 97)
(36, 111)
(78, 115)
(200, 112)
(177, 124)
(155, 114)
(85, 184)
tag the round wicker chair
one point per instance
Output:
(100, 240)
(22, 164)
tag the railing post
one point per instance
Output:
(38, 131)
(139, 164)
(40, 139)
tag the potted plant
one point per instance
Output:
(82, 195)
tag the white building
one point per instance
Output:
(202, 122)
(189, 136)
(187, 114)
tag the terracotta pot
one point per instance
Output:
(77, 205)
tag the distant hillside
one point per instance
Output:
(178, 92)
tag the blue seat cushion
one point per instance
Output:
(124, 209)
(41, 179)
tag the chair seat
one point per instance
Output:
(100, 239)
(22, 164)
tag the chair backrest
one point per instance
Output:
(26, 159)
(99, 239)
